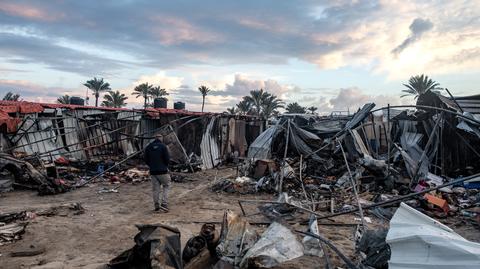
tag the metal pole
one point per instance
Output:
(354, 185)
(387, 137)
(454, 100)
(429, 142)
(347, 261)
(280, 185)
(183, 149)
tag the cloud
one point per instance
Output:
(36, 93)
(27, 49)
(326, 100)
(29, 12)
(78, 37)
(344, 99)
(242, 86)
(417, 29)
(353, 98)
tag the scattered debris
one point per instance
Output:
(156, 246)
(236, 238)
(12, 232)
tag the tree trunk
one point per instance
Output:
(203, 102)
(96, 98)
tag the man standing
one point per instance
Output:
(157, 158)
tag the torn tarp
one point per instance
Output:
(277, 244)
(301, 139)
(418, 241)
(261, 147)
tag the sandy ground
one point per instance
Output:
(107, 228)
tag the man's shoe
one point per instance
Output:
(164, 207)
(157, 207)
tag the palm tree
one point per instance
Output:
(244, 107)
(418, 85)
(114, 99)
(65, 99)
(157, 92)
(312, 109)
(231, 111)
(143, 90)
(295, 108)
(97, 86)
(10, 96)
(270, 104)
(257, 98)
(204, 91)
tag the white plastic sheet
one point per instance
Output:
(418, 241)
(277, 244)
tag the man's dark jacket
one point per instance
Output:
(157, 157)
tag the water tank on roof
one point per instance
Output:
(75, 100)
(160, 102)
(179, 105)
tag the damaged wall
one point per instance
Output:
(53, 131)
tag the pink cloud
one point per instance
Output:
(174, 31)
(29, 12)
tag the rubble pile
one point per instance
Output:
(393, 173)
(13, 224)
(426, 158)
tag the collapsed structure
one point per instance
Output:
(57, 133)
(423, 158)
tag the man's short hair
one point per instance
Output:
(159, 135)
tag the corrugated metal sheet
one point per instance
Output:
(469, 104)
(418, 242)
(209, 147)
(37, 136)
(83, 134)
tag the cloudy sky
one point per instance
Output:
(335, 55)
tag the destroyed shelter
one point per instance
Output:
(58, 133)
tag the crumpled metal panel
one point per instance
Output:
(209, 147)
(469, 126)
(357, 118)
(418, 241)
(409, 142)
(236, 238)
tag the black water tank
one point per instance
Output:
(160, 102)
(179, 105)
(74, 100)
